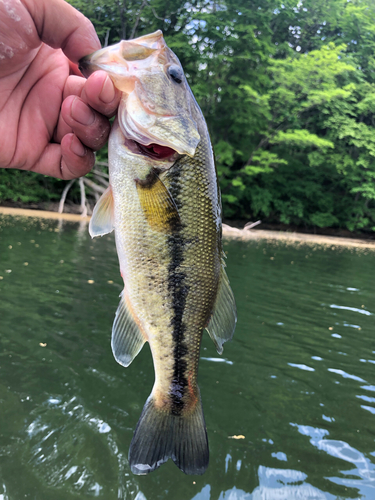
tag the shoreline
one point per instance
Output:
(42, 214)
(228, 231)
(296, 238)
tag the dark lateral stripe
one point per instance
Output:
(179, 291)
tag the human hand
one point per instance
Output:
(51, 120)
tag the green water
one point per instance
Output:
(298, 380)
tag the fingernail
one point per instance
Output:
(77, 147)
(96, 45)
(107, 93)
(81, 113)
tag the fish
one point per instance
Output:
(163, 203)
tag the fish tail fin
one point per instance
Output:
(160, 435)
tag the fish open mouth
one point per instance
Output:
(153, 151)
(156, 151)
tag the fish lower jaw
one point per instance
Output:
(151, 151)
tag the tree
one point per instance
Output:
(287, 89)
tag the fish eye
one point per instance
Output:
(176, 73)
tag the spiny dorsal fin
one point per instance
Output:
(224, 315)
(127, 337)
(157, 203)
(101, 222)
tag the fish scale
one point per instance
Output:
(200, 244)
(164, 205)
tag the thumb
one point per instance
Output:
(60, 25)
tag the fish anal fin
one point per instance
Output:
(157, 203)
(224, 315)
(127, 335)
(101, 222)
(160, 435)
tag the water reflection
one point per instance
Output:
(302, 367)
(354, 309)
(67, 440)
(296, 384)
(346, 375)
(218, 360)
(364, 468)
(282, 484)
(274, 484)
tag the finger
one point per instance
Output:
(77, 160)
(73, 86)
(100, 93)
(89, 126)
(69, 160)
(61, 26)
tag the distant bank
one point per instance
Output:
(228, 231)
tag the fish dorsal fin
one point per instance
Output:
(157, 203)
(224, 316)
(101, 222)
(127, 337)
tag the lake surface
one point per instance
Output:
(296, 385)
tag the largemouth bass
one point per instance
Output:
(164, 204)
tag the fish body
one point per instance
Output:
(164, 205)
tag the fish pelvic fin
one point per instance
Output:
(161, 435)
(224, 315)
(127, 336)
(101, 222)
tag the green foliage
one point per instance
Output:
(288, 91)
(301, 139)
(16, 185)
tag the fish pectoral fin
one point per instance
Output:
(127, 337)
(101, 222)
(224, 316)
(157, 203)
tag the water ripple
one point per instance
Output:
(283, 484)
(346, 375)
(219, 360)
(369, 408)
(354, 309)
(302, 367)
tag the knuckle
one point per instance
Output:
(99, 134)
